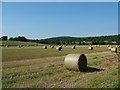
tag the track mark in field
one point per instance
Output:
(30, 61)
(57, 76)
(30, 77)
(101, 60)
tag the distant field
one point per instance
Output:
(15, 53)
(35, 67)
(17, 43)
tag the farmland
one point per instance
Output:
(14, 43)
(35, 67)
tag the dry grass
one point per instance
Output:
(49, 71)
(14, 53)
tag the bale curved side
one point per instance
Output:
(45, 47)
(114, 50)
(90, 48)
(59, 48)
(73, 47)
(77, 62)
(52, 46)
(109, 48)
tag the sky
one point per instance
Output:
(40, 20)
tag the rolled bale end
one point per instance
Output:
(59, 48)
(8, 46)
(118, 46)
(52, 46)
(76, 62)
(49, 45)
(114, 50)
(90, 48)
(73, 47)
(45, 47)
(18, 46)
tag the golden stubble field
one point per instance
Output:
(35, 67)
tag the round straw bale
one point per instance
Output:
(77, 62)
(90, 45)
(52, 46)
(90, 48)
(114, 50)
(116, 46)
(73, 47)
(45, 47)
(8, 45)
(28, 45)
(18, 46)
(109, 48)
(108, 45)
(64, 45)
(21, 45)
(49, 45)
(59, 48)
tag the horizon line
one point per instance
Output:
(75, 36)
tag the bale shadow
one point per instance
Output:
(91, 69)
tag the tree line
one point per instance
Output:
(19, 38)
(101, 40)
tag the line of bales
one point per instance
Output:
(78, 62)
(59, 48)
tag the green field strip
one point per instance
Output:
(27, 65)
(17, 66)
(12, 74)
(100, 61)
(109, 82)
(18, 43)
(55, 65)
(11, 81)
(99, 80)
(98, 57)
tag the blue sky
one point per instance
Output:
(38, 20)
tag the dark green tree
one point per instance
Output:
(4, 38)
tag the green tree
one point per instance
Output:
(4, 38)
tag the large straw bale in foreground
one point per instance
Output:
(77, 62)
